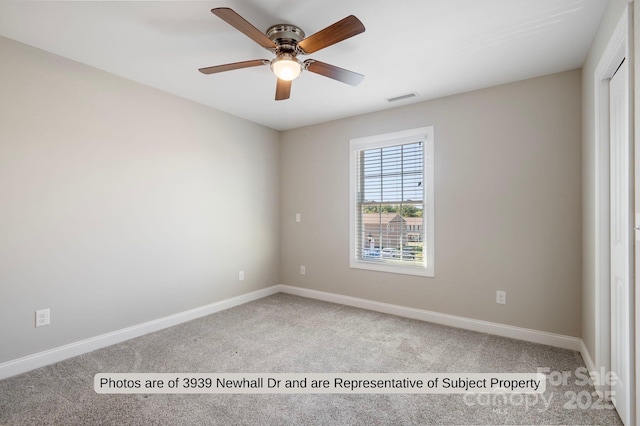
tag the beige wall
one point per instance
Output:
(612, 15)
(122, 204)
(507, 213)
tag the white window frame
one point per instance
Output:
(426, 136)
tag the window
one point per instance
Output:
(392, 202)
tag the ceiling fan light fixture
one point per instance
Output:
(286, 67)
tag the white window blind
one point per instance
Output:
(391, 217)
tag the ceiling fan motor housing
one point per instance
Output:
(286, 37)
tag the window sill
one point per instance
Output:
(391, 268)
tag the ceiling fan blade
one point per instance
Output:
(283, 90)
(341, 30)
(233, 66)
(331, 71)
(242, 25)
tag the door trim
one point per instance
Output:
(618, 48)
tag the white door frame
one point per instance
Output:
(622, 242)
(618, 48)
(611, 58)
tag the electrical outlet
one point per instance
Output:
(298, 217)
(501, 297)
(241, 276)
(43, 317)
(303, 270)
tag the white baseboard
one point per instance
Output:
(40, 359)
(588, 361)
(519, 333)
(591, 366)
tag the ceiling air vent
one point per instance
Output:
(401, 97)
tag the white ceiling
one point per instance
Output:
(432, 47)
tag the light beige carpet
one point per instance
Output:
(288, 334)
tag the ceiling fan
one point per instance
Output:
(287, 42)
